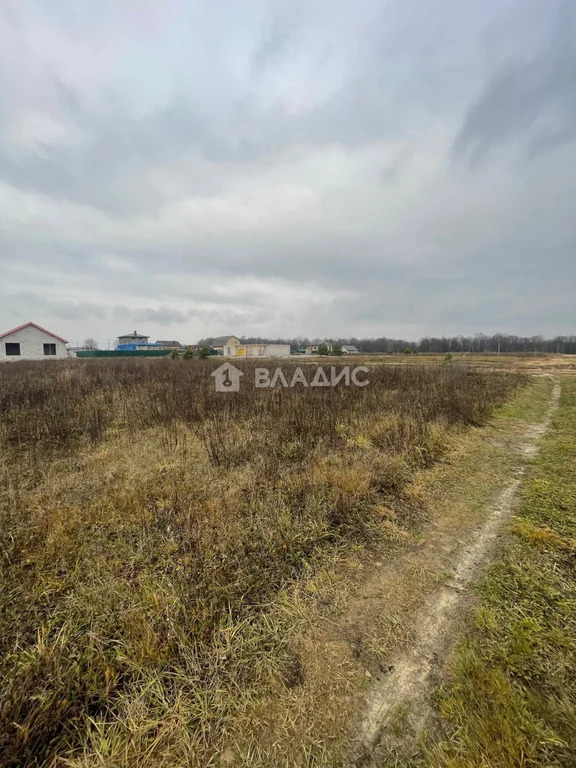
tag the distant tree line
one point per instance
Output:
(480, 342)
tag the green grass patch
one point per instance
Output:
(511, 697)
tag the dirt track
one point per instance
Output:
(409, 675)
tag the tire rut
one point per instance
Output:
(407, 685)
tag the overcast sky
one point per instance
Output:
(314, 167)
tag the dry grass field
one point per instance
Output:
(522, 362)
(154, 535)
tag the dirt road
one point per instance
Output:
(405, 688)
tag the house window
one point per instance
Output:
(12, 349)
(49, 349)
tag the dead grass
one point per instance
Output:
(160, 541)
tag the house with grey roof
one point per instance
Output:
(132, 338)
(226, 345)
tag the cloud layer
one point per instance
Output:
(284, 168)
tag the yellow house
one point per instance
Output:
(231, 346)
(228, 346)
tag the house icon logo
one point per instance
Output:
(227, 378)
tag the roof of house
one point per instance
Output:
(350, 347)
(172, 343)
(222, 340)
(132, 335)
(39, 327)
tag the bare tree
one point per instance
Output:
(90, 344)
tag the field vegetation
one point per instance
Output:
(152, 532)
(510, 697)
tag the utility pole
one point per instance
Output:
(498, 349)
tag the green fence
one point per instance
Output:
(123, 353)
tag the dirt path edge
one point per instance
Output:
(407, 685)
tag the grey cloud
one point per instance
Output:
(164, 316)
(159, 316)
(208, 172)
(229, 318)
(108, 169)
(121, 314)
(23, 305)
(275, 35)
(110, 165)
(531, 100)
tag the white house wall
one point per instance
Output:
(31, 342)
(255, 350)
(277, 350)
